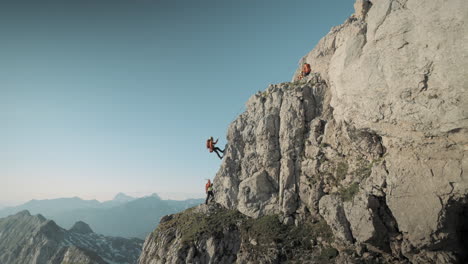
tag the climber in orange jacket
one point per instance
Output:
(210, 145)
(305, 70)
(209, 191)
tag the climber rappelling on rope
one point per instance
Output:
(210, 145)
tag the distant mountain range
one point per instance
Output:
(124, 216)
(25, 238)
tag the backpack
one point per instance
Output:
(306, 68)
(209, 145)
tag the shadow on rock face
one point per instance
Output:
(455, 224)
(462, 232)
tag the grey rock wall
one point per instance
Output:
(374, 143)
(385, 117)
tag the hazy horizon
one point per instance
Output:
(101, 97)
(163, 195)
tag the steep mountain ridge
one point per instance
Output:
(25, 238)
(374, 144)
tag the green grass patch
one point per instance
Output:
(321, 229)
(348, 193)
(364, 170)
(193, 225)
(288, 241)
(265, 230)
(327, 255)
(212, 224)
(341, 170)
(291, 242)
(365, 167)
(268, 230)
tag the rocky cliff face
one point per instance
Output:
(213, 234)
(374, 143)
(34, 239)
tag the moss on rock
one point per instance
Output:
(348, 193)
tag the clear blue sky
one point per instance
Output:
(106, 96)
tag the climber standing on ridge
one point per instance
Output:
(209, 191)
(210, 145)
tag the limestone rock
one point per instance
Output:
(384, 115)
(373, 142)
(372, 223)
(267, 156)
(331, 208)
(361, 7)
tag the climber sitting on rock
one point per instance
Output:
(305, 70)
(210, 145)
(209, 191)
